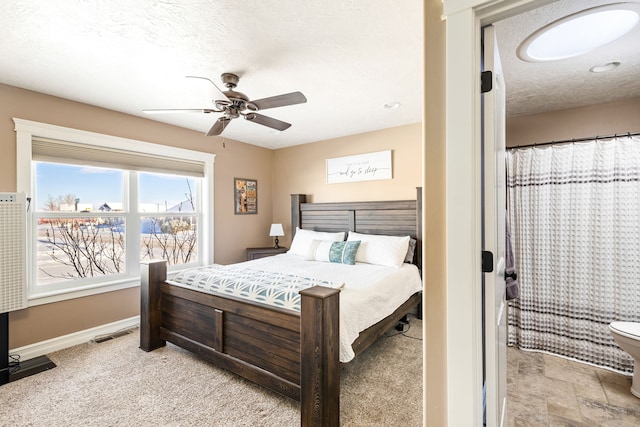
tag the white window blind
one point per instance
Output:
(56, 151)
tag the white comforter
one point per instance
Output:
(370, 293)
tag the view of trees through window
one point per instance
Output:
(83, 229)
(70, 248)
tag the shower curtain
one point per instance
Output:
(574, 212)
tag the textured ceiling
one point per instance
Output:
(568, 83)
(348, 57)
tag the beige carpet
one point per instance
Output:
(114, 383)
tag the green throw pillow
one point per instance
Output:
(344, 252)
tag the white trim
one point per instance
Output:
(25, 177)
(103, 140)
(464, 325)
(95, 289)
(54, 344)
(463, 227)
(206, 215)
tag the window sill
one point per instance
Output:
(42, 298)
(63, 295)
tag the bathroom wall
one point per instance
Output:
(600, 119)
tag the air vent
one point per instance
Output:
(13, 269)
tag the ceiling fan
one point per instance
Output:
(234, 104)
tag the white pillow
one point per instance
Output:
(303, 238)
(381, 250)
(328, 251)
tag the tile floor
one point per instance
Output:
(545, 390)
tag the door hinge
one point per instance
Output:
(486, 81)
(487, 261)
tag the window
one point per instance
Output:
(100, 205)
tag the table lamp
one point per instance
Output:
(276, 230)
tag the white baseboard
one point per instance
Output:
(49, 346)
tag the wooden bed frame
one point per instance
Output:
(294, 354)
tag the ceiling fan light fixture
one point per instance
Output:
(580, 33)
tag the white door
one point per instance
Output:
(494, 212)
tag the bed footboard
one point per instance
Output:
(294, 354)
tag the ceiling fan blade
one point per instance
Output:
(223, 96)
(267, 121)
(180, 110)
(277, 101)
(218, 126)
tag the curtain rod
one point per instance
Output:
(615, 135)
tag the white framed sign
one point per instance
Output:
(361, 167)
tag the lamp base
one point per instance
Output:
(276, 246)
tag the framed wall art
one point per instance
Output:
(361, 167)
(246, 196)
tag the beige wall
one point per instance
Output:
(233, 233)
(435, 239)
(601, 119)
(302, 169)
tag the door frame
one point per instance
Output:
(464, 20)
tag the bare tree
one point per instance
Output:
(173, 239)
(87, 249)
(52, 204)
(189, 195)
(68, 199)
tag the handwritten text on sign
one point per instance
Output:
(361, 167)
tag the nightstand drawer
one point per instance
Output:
(255, 253)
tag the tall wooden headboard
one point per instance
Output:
(393, 218)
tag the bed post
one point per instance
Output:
(320, 357)
(152, 274)
(296, 215)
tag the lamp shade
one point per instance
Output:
(276, 230)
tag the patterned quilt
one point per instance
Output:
(271, 288)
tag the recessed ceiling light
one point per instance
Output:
(392, 105)
(579, 33)
(605, 67)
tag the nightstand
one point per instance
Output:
(255, 253)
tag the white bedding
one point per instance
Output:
(371, 292)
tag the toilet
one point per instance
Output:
(627, 335)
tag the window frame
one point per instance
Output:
(25, 173)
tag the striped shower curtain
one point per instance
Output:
(574, 212)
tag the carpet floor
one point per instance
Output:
(114, 383)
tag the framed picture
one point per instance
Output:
(246, 196)
(361, 167)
